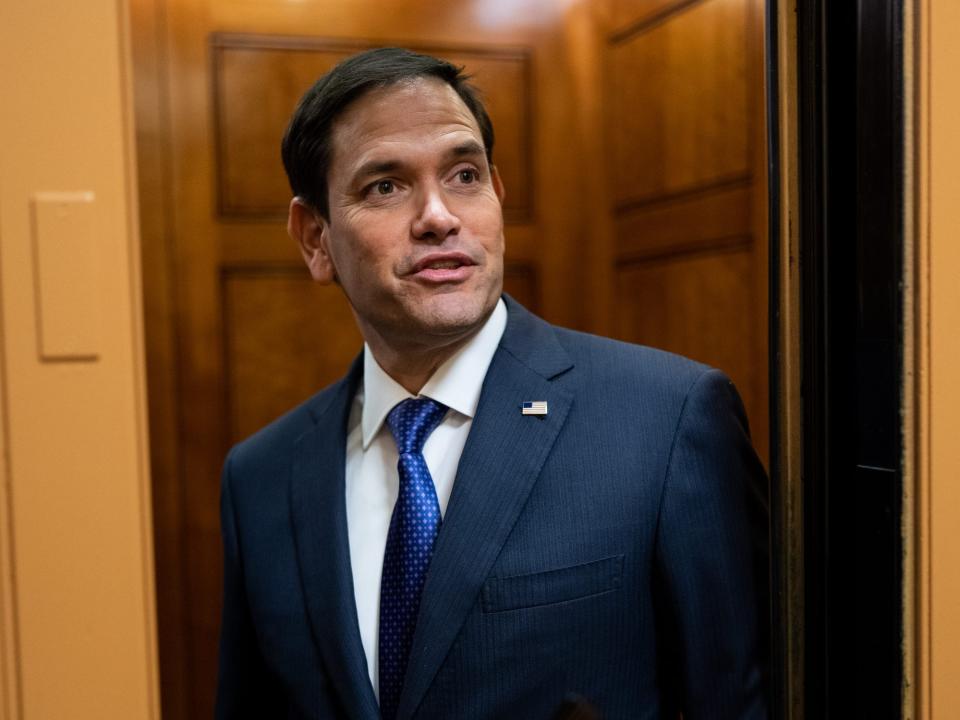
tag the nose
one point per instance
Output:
(436, 220)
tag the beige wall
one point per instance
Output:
(939, 353)
(76, 595)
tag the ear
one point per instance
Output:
(498, 187)
(312, 233)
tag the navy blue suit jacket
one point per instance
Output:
(614, 548)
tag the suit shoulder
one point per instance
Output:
(611, 360)
(276, 438)
(618, 373)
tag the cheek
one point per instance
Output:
(493, 232)
(369, 251)
(486, 221)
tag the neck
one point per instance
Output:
(412, 367)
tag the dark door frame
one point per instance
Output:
(850, 160)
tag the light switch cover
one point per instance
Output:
(67, 266)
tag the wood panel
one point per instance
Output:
(259, 79)
(679, 103)
(153, 181)
(520, 280)
(694, 304)
(625, 16)
(687, 182)
(701, 221)
(285, 338)
(257, 85)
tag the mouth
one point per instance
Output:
(443, 267)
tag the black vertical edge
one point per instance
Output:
(837, 508)
(777, 617)
(851, 253)
(813, 383)
(877, 492)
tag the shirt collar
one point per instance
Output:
(456, 383)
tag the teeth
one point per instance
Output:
(444, 265)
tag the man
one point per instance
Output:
(487, 513)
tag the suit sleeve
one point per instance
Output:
(711, 560)
(245, 688)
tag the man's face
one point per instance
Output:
(415, 233)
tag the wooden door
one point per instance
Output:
(685, 142)
(236, 331)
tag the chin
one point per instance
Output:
(453, 316)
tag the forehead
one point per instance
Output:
(422, 114)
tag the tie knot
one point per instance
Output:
(412, 421)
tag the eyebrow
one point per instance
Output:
(375, 167)
(471, 148)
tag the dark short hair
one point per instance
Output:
(306, 147)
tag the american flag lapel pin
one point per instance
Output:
(534, 407)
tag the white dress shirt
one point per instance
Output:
(371, 464)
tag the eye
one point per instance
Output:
(385, 187)
(468, 176)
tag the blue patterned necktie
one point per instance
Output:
(413, 530)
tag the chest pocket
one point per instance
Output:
(553, 586)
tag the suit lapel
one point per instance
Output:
(499, 466)
(318, 510)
